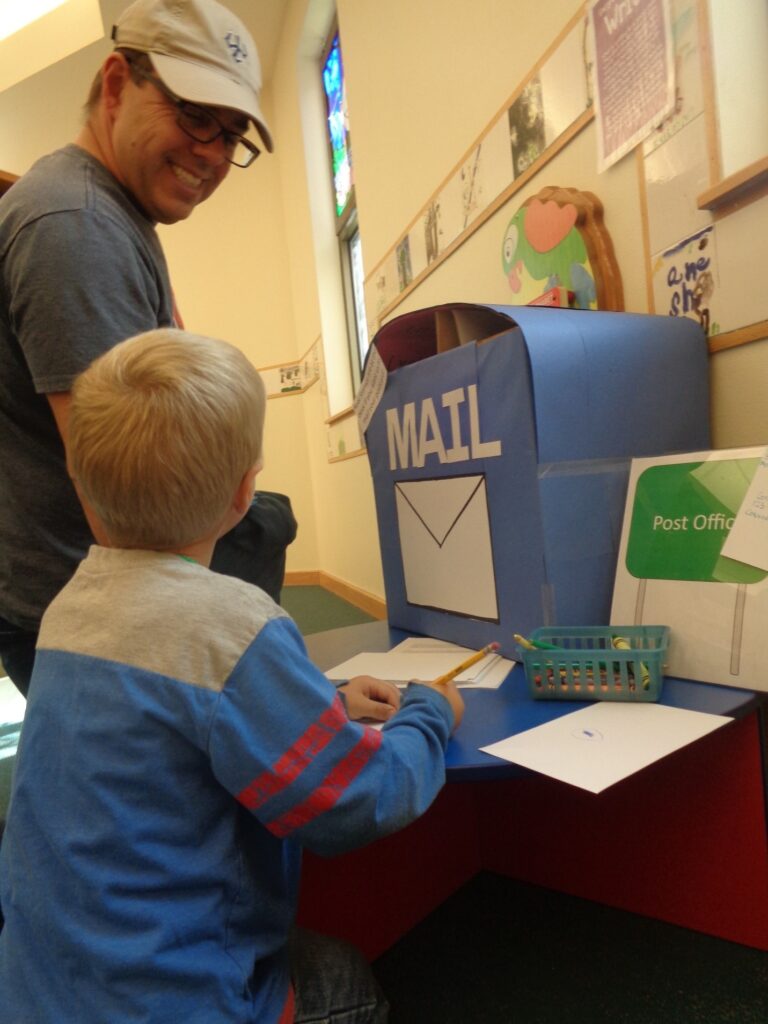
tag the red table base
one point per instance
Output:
(683, 841)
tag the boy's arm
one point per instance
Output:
(282, 744)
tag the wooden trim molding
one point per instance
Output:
(348, 455)
(6, 180)
(735, 186)
(741, 336)
(362, 599)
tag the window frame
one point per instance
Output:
(347, 234)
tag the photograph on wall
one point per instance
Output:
(312, 364)
(564, 84)
(526, 127)
(675, 175)
(689, 100)
(403, 257)
(343, 438)
(685, 280)
(293, 378)
(381, 288)
(471, 180)
(495, 171)
(742, 296)
(634, 73)
(431, 225)
(417, 249)
(451, 204)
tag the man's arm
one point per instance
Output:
(60, 402)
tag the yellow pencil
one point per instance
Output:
(471, 660)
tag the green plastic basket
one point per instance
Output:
(583, 663)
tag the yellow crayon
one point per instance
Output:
(620, 644)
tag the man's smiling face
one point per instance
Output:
(167, 172)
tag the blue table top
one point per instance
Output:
(493, 715)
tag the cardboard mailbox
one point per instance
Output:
(500, 453)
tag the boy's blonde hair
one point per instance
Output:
(162, 430)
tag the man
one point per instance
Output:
(81, 267)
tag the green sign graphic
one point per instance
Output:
(681, 517)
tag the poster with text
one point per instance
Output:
(634, 73)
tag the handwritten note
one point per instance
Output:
(748, 538)
(371, 389)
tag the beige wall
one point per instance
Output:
(425, 77)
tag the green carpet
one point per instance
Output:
(314, 609)
(502, 952)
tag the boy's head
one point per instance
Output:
(163, 428)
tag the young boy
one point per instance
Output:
(179, 748)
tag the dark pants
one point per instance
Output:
(17, 653)
(333, 983)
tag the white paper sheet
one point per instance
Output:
(748, 538)
(601, 744)
(424, 658)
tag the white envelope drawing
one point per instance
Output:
(445, 544)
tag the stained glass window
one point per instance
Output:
(347, 231)
(338, 127)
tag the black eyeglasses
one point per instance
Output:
(203, 126)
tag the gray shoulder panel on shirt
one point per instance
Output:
(159, 613)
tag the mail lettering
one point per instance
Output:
(414, 432)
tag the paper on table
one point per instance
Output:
(430, 645)
(605, 742)
(424, 658)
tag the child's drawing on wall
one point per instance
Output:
(685, 279)
(557, 240)
(431, 232)
(526, 127)
(471, 186)
(290, 377)
(404, 271)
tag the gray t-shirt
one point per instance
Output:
(81, 268)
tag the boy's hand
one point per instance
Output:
(371, 698)
(451, 693)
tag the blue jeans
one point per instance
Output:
(17, 653)
(333, 983)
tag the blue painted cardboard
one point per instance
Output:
(500, 467)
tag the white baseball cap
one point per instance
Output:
(200, 50)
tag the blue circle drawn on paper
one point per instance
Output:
(592, 735)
